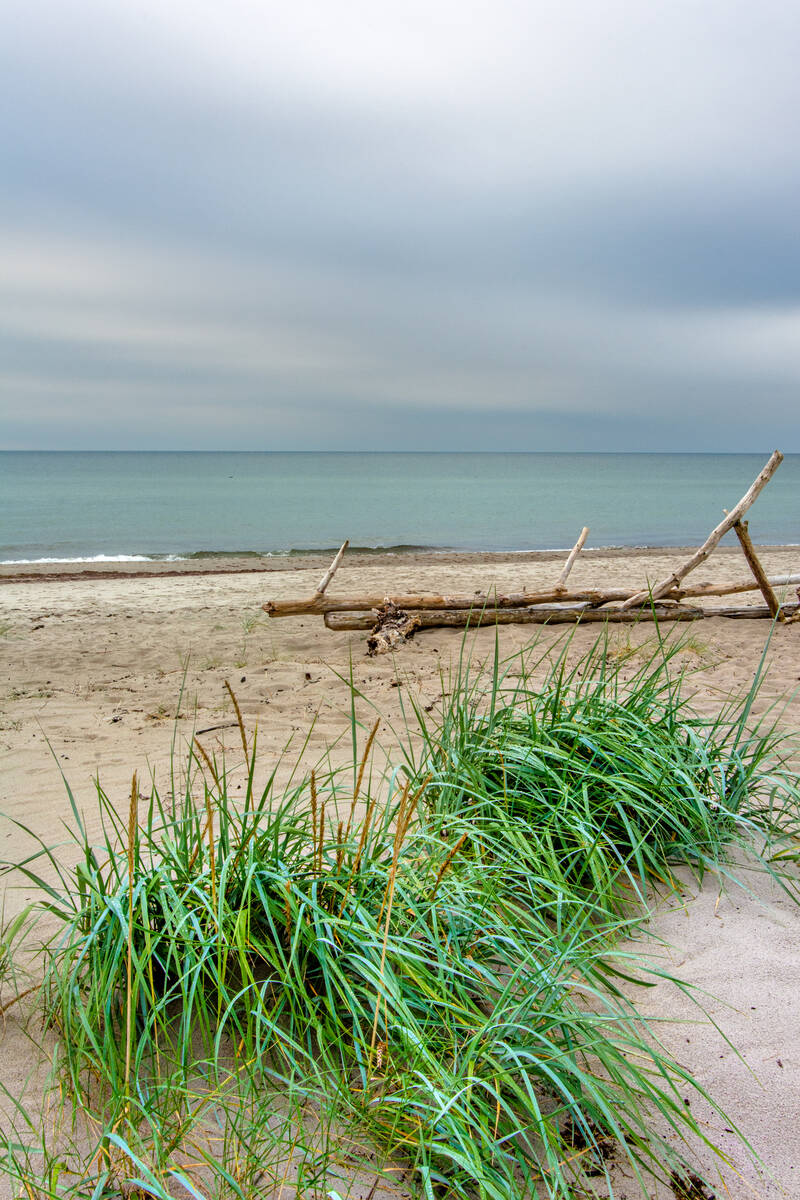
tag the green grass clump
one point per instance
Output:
(412, 972)
(601, 781)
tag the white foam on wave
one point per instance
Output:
(93, 558)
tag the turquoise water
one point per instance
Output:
(87, 505)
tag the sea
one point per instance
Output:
(64, 506)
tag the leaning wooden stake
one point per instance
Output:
(573, 554)
(759, 574)
(713, 538)
(331, 571)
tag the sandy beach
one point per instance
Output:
(508, 909)
(99, 666)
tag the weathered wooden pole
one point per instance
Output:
(331, 571)
(573, 554)
(713, 538)
(748, 549)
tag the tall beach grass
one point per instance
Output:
(408, 981)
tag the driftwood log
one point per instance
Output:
(550, 595)
(394, 619)
(553, 615)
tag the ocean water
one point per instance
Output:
(113, 505)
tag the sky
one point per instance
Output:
(542, 225)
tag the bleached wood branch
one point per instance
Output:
(596, 596)
(331, 571)
(748, 549)
(713, 538)
(573, 554)
(561, 615)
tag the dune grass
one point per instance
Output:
(602, 777)
(405, 978)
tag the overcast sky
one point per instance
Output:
(419, 225)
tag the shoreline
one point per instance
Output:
(223, 564)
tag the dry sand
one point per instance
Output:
(91, 668)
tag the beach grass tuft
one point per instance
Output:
(601, 779)
(410, 981)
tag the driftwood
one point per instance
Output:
(394, 619)
(749, 551)
(550, 595)
(713, 538)
(331, 571)
(391, 626)
(552, 615)
(319, 603)
(569, 564)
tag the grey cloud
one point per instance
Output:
(299, 355)
(528, 223)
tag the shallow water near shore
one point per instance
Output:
(65, 506)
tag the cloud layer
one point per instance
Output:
(438, 225)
